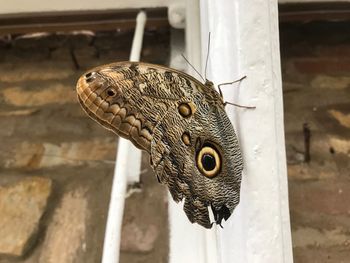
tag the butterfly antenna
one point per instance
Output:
(206, 61)
(192, 67)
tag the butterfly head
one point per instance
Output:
(211, 88)
(209, 83)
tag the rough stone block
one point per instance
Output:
(21, 206)
(17, 112)
(328, 82)
(322, 65)
(323, 197)
(28, 72)
(66, 234)
(343, 119)
(138, 238)
(55, 93)
(306, 236)
(39, 155)
(340, 145)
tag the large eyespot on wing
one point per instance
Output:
(208, 160)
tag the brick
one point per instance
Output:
(340, 145)
(55, 93)
(138, 238)
(322, 164)
(322, 255)
(307, 236)
(41, 155)
(21, 206)
(313, 170)
(10, 113)
(82, 38)
(329, 82)
(28, 72)
(339, 51)
(323, 197)
(66, 233)
(322, 65)
(343, 119)
(58, 123)
(320, 221)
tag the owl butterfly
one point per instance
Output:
(180, 122)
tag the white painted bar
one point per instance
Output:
(245, 41)
(127, 168)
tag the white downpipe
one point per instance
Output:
(244, 41)
(127, 168)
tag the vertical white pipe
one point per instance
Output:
(244, 36)
(128, 163)
(135, 154)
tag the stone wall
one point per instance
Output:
(56, 164)
(316, 86)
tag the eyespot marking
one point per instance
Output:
(111, 92)
(208, 161)
(89, 77)
(186, 109)
(186, 138)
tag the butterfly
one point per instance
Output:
(180, 122)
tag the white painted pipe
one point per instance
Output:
(127, 167)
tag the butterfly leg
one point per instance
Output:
(240, 106)
(230, 103)
(229, 83)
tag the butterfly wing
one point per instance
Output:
(173, 117)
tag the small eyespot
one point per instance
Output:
(186, 138)
(88, 75)
(111, 92)
(186, 110)
(208, 161)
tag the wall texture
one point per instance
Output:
(316, 85)
(56, 164)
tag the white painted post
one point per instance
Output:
(127, 168)
(244, 41)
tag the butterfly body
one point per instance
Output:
(180, 122)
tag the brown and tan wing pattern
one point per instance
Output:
(180, 122)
